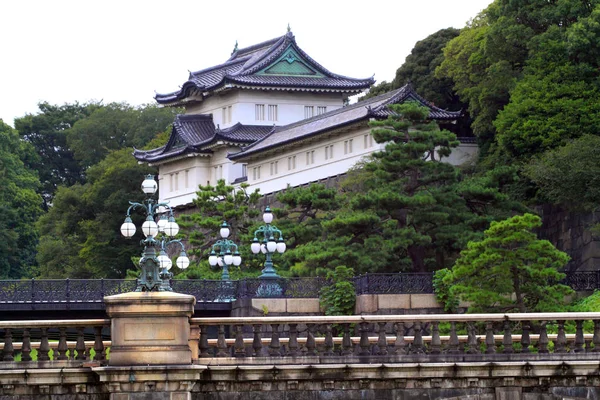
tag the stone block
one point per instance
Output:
(424, 301)
(509, 393)
(270, 305)
(181, 396)
(366, 304)
(303, 306)
(394, 301)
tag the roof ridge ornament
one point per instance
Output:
(288, 28)
(235, 48)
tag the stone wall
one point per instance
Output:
(570, 232)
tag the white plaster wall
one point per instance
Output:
(178, 181)
(465, 153)
(290, 105)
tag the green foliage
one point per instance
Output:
(339, 298)
(216, 204)
(20, 206)
(569, 175)
(80, 235)
(510, 270)
(443, 290)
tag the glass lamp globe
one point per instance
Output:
(162, 223)
(220, 262)
(171, 229)
(255, 246)
(263, 248)
(149, 185)
(149, 227)
(228, 258)
(237, 259)
(164, 260)
(271, 245)
(183, 261)
(268, 215)
(212, 259)
(128, 228)
(281, 246)
(224, 232)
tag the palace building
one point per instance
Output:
(273, 117)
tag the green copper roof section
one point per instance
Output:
(290, 64)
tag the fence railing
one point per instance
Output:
(92, 291)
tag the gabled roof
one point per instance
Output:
(375, 107)
(194, 134)
(275, 64)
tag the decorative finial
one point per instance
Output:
(288, 28)
(235, 48)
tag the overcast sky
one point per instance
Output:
(65, 51)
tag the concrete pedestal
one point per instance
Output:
(150, 328)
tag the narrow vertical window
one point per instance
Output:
(215, 174)
(327, 152)
(244, 170)
(293, 162)
(312, 157)
(258, 172)
(260, 112)
(187, 178)
(350, 145)
(224, 115)
(229, 108)
(331, 151)
(308, 111)
(321, 110)
(276, 163)
(345, 147)
(271, 168)
(220, 172)
(289, 163)
(170, 182)
(176, 181)
(272, 112)
(254, 173)
(308, 158)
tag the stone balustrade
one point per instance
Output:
(393, 338)
(62, 342)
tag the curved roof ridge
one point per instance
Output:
(256, 62)
(250, 49)
(214, 67)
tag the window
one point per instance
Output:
(348, 146)
(328, 152)
(256, 173)
(368, 139)
(187, 178)
(272, 112)
(226, 115)
(220, 172)
(291, 163)
(321, 110)
(229, 108)
(310, 157)
(274, 167)
(171, 182)
(176, 181)
(260, 112)
(308, 111)
(244, 169)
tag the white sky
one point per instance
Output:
(64, 51)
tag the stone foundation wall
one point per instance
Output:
(570, 232)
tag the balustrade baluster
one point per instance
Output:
(275, 346)
(44, 346)
(382, 340)
(596, 337)
(453, 344)
(507, 339)
(543, 340)
(346, 341)
(311, 348)
(400, 344)
(240, 349)
(221, 344)
(293, 342)
(98, 344)
(8, 351)
(561, 338)
(257, 341)
(525, 339)
(490, 343)
(26, 347)
(417, 345)
(436, 341)
(364, 339)
(328, 340)
(203, 345)
(472, 339)
(62, 348)
(579, 341)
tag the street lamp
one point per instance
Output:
(272, 241)
(155, 265)
(224, 252)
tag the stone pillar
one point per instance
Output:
(150, 328)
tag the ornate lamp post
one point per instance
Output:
(155, 265)
(272, 241)
(224, 252)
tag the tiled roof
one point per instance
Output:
(375, 107)
(249, 67)
(195, 133)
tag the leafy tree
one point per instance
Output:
(80, 234)
(510, 270)
(53, 159)
(339, 297)
(20, 206)
(115, 126)
(569, 175)
(216, 204)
